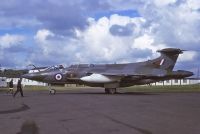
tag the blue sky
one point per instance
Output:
(101, 31)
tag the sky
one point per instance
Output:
(52, 32)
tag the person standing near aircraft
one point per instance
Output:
(10, 87)
(19, 88)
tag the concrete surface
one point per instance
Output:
(90, 111)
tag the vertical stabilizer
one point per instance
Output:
(168, 58)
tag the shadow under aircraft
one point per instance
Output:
(113, 76)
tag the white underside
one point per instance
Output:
(98, 78)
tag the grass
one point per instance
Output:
(178, 88)
(3, 89)
(59, 88)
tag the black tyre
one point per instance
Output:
(52, 91)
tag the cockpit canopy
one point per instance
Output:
(54, 67)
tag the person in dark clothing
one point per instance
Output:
(19, 88)
(10, 84)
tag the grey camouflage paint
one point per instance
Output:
(129, 74)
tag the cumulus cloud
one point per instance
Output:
(8, 40)
(175, 24)
(118, 30)
(77, 31)
(59, 16)
(115, 38)
(98, 43)
(164, 2)
(42, 35)
(188, 56)
(10, 46)
(194, 4)
(147, 42)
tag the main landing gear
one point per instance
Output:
(110, 90)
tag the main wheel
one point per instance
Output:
(106, 90)
(112, 90)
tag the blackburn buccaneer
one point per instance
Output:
(113, 76)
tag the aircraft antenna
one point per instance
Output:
(31, 65)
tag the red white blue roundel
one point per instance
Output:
(58, 77)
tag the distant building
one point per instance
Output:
(3, 82)
(29, 82)
(177, 82)
(26, 82)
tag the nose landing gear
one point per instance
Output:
(52, 91)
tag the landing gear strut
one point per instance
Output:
(110, 90)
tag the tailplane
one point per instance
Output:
(168, 58)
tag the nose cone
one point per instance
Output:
(27, 76)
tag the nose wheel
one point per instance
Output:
(52, 91)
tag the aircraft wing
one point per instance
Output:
(129, 75)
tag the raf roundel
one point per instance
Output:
(58, 76)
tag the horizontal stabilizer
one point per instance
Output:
(171, 51)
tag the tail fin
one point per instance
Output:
(168, 58)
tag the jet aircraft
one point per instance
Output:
(113, 76)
